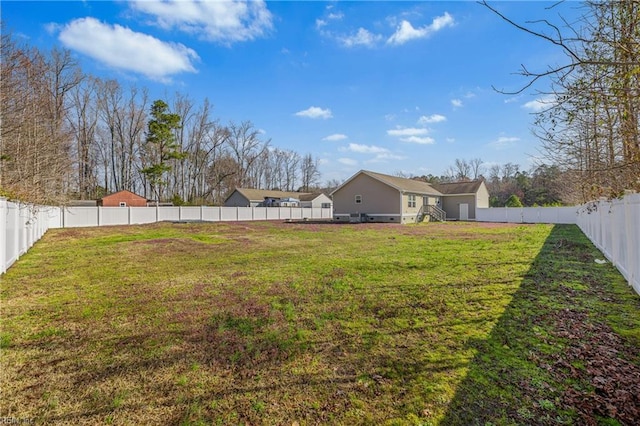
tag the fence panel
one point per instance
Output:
(228, 213)
(21, 226)
(260, 213)
(285, 213)
(168, 213)
(245, 213)
(142, 215)
(73, 217)
(190, 213)
(527, 214)
(211, 214)
(113, 216)
(614, 228)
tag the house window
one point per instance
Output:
(123, 204)
(412, 200)
(358, 199)
(326, 205)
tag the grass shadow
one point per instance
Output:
(566, 349)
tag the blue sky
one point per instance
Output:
(384, 86)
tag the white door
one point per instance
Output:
(464, 211)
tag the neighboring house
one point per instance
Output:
(315, 200)
(245, 197)
(374, 197)
(461, 199)
(122, 199)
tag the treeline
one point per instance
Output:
(69, 135)
(589, 121)
(510, 186)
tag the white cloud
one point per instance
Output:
(385, 157)
(457, 103)
(120, 47)
(221, 21)
(503, 142)
(365, 149)
(315, 112)
(361, 38)
(540, 104)
(347, 161)
(408, 131)
(426, 140)
(335, 137)
(434, 118)
(406, 32)
(450, 140)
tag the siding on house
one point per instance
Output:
(376, 197)
(387, 198)
(473, 193)
(236, 199)
(482, 197)
(451, 205)
(315, 200)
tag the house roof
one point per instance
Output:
(309, 197)
(122, 192)
(401, 184)
(459, 187)
(261, 194)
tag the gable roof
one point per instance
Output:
(401, 184)
(261, 194)
(459, 187)
(123, 192)
(309, 197)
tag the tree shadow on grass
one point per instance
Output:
(554, 357)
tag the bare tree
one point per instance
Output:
(477, 169)
(35, 151)
(245, 148)
(591, 125)
(84, 123)
(310, 172)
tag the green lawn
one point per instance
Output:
(273, 323)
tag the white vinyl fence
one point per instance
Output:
(566, 215)
(614, 227)
(21, 225)
(73, 217)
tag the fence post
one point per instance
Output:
(632, 257)
(3, 232)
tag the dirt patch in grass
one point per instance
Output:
(274, 323)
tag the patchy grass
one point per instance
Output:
(271, 323)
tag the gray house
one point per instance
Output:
(375, 197)
(245, 197)
(461, 199)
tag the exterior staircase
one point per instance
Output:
(434, 213)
